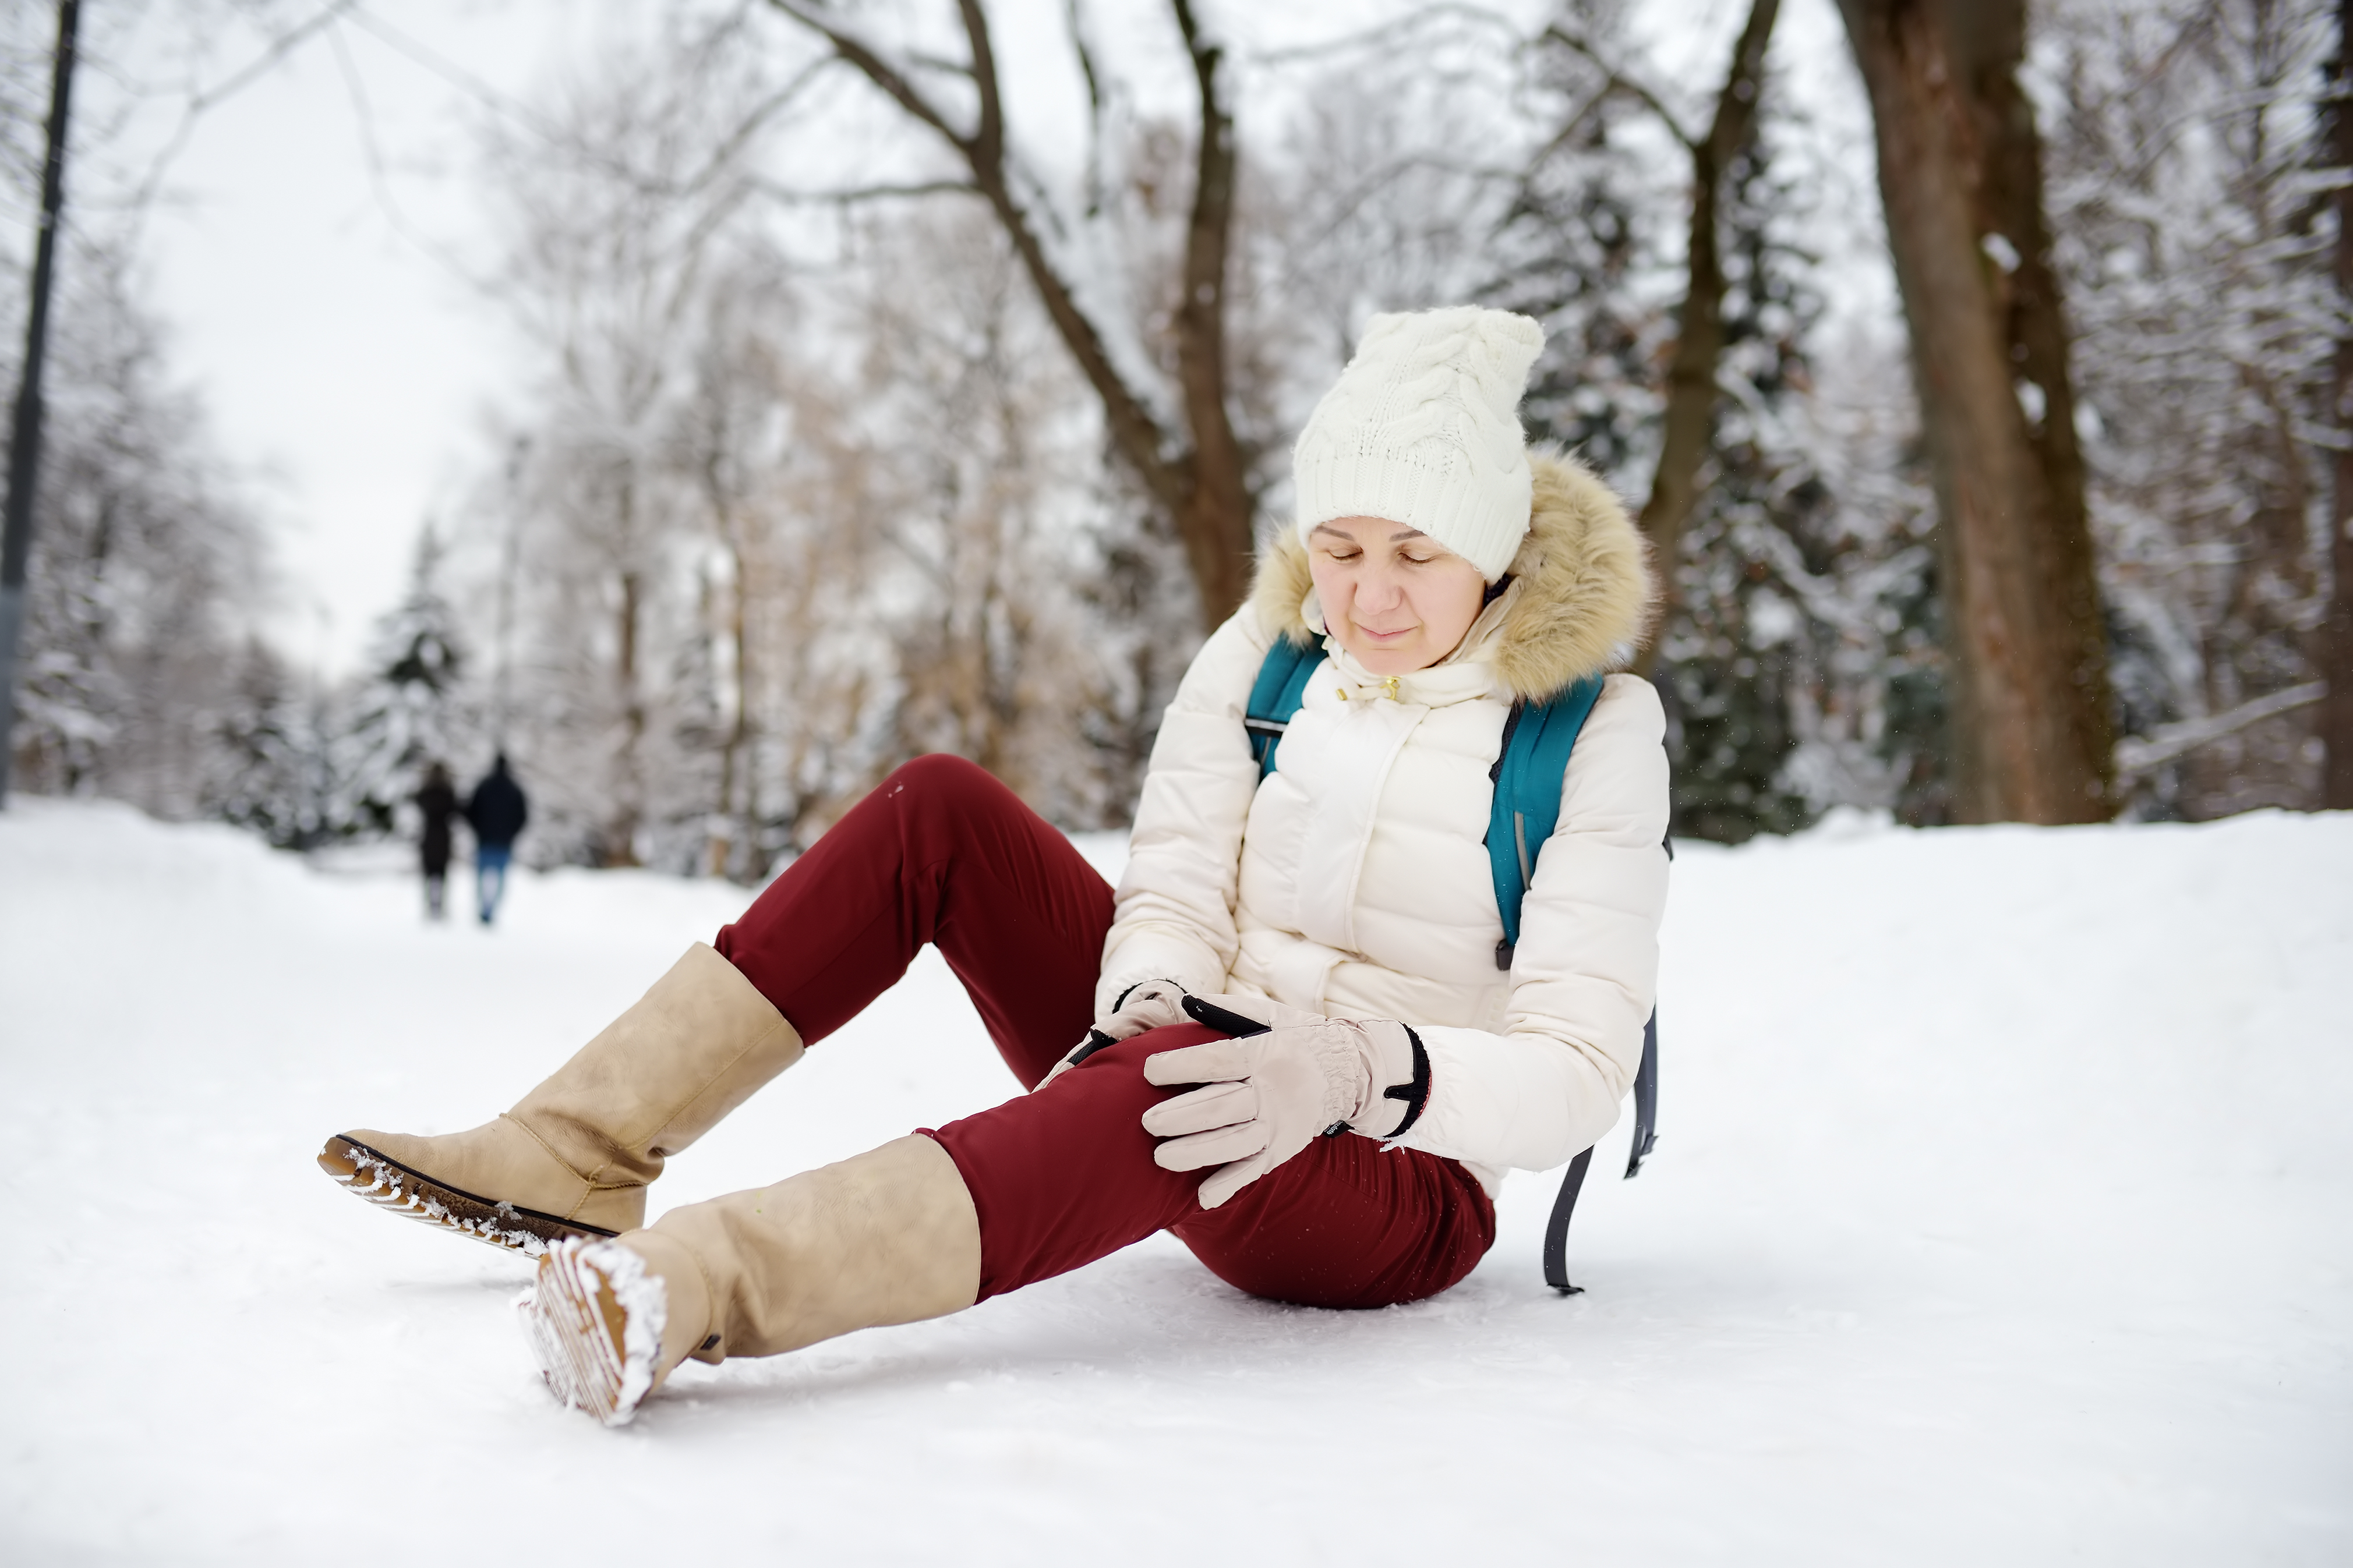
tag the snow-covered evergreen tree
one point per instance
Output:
(408, 710)
(271, 775)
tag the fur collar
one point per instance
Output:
(1582, 594)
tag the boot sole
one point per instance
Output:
(385, 1182)
(578, 1326)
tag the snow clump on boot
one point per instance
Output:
(595, 1321)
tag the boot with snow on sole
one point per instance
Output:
(574, 1156)
(607, 1326)
(368, 1172)
(889, 1236)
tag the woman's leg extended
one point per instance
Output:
(926, 1226)
(1061, 1178)
(939, 853)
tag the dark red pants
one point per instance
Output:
(943, 853)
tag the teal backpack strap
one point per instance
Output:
(1537, 739)
(1281, 687)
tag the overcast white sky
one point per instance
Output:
(346, 366)
(346, 362)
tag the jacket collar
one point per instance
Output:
(1578, 603)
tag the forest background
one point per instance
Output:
(913, 377)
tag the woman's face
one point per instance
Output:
(1395, 597)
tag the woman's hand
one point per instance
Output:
(1288, 1077)
(1146, 1005)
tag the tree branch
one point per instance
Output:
(877, 70)
(1617, 81)
(1385, 34)
(2137, 754)
(1135, 434)
(853, 194)
(988, 141)
(1078, 31)
(206, 99)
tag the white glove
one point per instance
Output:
(1288, 1077)
(1146, 1005)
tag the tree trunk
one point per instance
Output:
(2336, 640)
(734, 751)
(1215, 521)
(25, 443)
(621, 837)
(1699, 339)
(1992, 39)
(1959, 175)
(621, 833)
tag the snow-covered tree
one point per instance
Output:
(273, 775)
(2189, 186)
(146, 570)
(408, 710)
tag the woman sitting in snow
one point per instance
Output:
(1347, 1154)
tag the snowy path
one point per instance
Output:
(2003, 1212)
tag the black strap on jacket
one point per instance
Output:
(1646, 1135)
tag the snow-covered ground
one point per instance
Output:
(2003, 1213)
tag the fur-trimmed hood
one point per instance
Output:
(1581, 591)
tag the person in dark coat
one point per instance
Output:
(438, 802)
(497, 812)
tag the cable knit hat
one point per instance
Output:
(1423, 429)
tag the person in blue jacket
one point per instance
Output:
(497, 812)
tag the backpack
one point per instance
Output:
(1527, 775)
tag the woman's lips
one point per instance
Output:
(1384, 637)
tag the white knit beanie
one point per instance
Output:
(1423, 429)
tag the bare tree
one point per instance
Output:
(1960, 175)
(997, 658)
(1178, 441)
(725, 440)
(618, 209)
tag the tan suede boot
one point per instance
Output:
(889, 1236)
(573, 1157)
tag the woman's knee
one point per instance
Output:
(940, 793)
(939, 776)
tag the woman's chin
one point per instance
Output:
(1401, 656)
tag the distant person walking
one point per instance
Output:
(439, 801)
(497, 812)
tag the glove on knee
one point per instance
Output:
(1288, 1077)
(1146, 1005)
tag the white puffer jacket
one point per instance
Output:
(1355, 881)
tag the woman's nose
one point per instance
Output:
(1380, 588)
